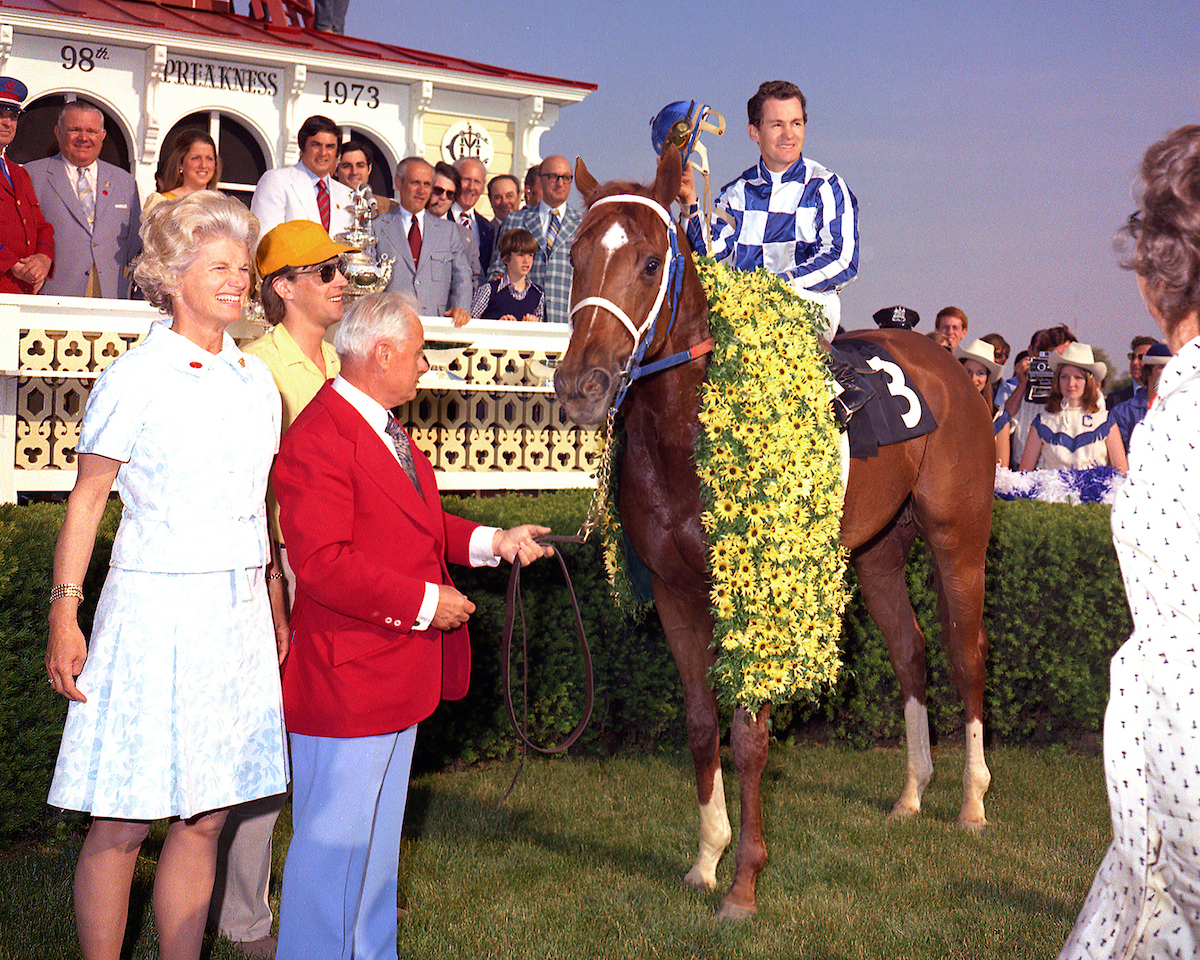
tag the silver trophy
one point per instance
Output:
(366, 272)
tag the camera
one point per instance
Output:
(1041, 378)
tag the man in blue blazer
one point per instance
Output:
(553, 225)
(439, 274)
(294, 193)
(473, 175)
(93, 207)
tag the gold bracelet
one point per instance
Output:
(66, 590)
(277, 575)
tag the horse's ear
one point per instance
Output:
(584, 179)
(669, 176)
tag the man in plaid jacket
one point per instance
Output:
(786, 213)
(552, 224)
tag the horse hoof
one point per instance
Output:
(733, 911)
(972, 825)
(902, 811)
(697, 881)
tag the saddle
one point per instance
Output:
(879, 404)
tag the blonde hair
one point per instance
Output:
(174, 233)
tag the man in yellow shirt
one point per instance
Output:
(301, 292)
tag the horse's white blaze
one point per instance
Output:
(920, 761)
(614, 238)
(715, 835)
(976, 778)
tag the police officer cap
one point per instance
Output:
(896, 317)
(12, 93)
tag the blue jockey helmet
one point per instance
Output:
(680, 123)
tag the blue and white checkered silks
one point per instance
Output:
(802, 226)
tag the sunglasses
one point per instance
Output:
(443, 192)
(326, 271)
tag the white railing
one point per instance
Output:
(486, 415)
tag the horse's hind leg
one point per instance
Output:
(688, 627)
(880, 565)
(960, 609)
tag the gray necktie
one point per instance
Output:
(87, 199)
(403, 450)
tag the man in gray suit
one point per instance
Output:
(552, 224)
(306, 190)
(431, 259)
(93, 206)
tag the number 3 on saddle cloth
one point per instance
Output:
(894, 409)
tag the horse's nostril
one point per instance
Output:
(596, 384)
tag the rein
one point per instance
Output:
(513, 602)
(643, 335)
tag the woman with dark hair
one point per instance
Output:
(979, 360)
(176, 709)
(1145, 901)
(192, 164)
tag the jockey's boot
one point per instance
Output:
(855, 391)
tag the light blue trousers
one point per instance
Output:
(339, 881)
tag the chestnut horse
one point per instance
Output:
(938, 485)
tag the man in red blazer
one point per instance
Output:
(26, 238)
(379, 631)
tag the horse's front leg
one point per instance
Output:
(688, 627)
(749, 736)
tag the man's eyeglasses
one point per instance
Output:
(444, 192)
(557, 177)
(326, 271)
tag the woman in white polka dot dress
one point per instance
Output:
(1145, 901)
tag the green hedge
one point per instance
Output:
(1055, 613)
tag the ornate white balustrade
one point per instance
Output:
(486, 415)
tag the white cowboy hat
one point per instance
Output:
(981, 352)
(1080, 355)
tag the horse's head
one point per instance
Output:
(620, 258)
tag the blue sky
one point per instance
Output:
(992, 147)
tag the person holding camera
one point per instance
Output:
(1074, 432)
(1023, 405)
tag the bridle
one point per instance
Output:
(643, 335)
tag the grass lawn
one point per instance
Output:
(586, 859)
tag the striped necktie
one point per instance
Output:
(323, 202)
(87, 199)
(466, 220)
(403, 450)
(552, 233)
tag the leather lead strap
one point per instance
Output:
(512, 600)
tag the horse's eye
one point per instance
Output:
(652, 266)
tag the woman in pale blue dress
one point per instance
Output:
(176, 709)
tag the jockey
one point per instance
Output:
(789, 215)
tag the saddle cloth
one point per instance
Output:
(895, 413)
